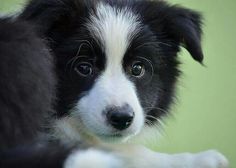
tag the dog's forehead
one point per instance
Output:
(113, 28)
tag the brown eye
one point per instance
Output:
(84, 69)
(138, 69)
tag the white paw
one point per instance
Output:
(211, 159)
(92, 158)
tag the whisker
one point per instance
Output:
(156, 44)
(155, 118)
(166, 44)
(157, 108)
(73, 60)
(144, 44)
(86, 42)
(150, 123)
(77, 56)
(78, 52)
(151, 117)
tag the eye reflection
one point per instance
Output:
(138, 69)
(84, 69)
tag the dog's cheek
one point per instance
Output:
(149, 94)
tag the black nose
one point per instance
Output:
(120, 117)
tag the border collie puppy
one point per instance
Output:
(116, 68)
(116, 61)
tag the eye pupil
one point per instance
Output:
(84, 69)
(137, 69)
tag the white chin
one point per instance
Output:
(116, 138)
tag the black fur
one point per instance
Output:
(28, 79)
(27, 85)
(165, 25)
(27, 91)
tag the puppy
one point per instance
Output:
(116, 61)
(116, 68)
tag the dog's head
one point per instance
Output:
(116, 60)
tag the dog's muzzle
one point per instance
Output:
(120, 118)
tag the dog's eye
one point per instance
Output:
(84, 69)
(138, 69)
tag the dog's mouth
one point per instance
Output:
(117, 137)
(121, 136)
(109, 134)
(74, 129)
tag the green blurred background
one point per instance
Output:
(204, 116)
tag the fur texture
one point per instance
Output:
(27, 76)
(27, 92)
(111, 36)
(104, 69)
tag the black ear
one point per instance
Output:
(181, 25)
(51, 16)
(185, 26)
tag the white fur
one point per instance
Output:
(140, 157)
(208, 159)
(67, 130)
(92, 158)
(114, 29)
(211, 159)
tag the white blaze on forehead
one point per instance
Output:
(114, 29)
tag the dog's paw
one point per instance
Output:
(211, 159)
(92, 158)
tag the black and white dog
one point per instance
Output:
(75, 73)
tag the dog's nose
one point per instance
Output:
(120, 117)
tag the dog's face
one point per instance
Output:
(116, 60)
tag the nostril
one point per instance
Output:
(120, 117)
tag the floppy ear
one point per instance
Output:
(181, 25)
(185, 26)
